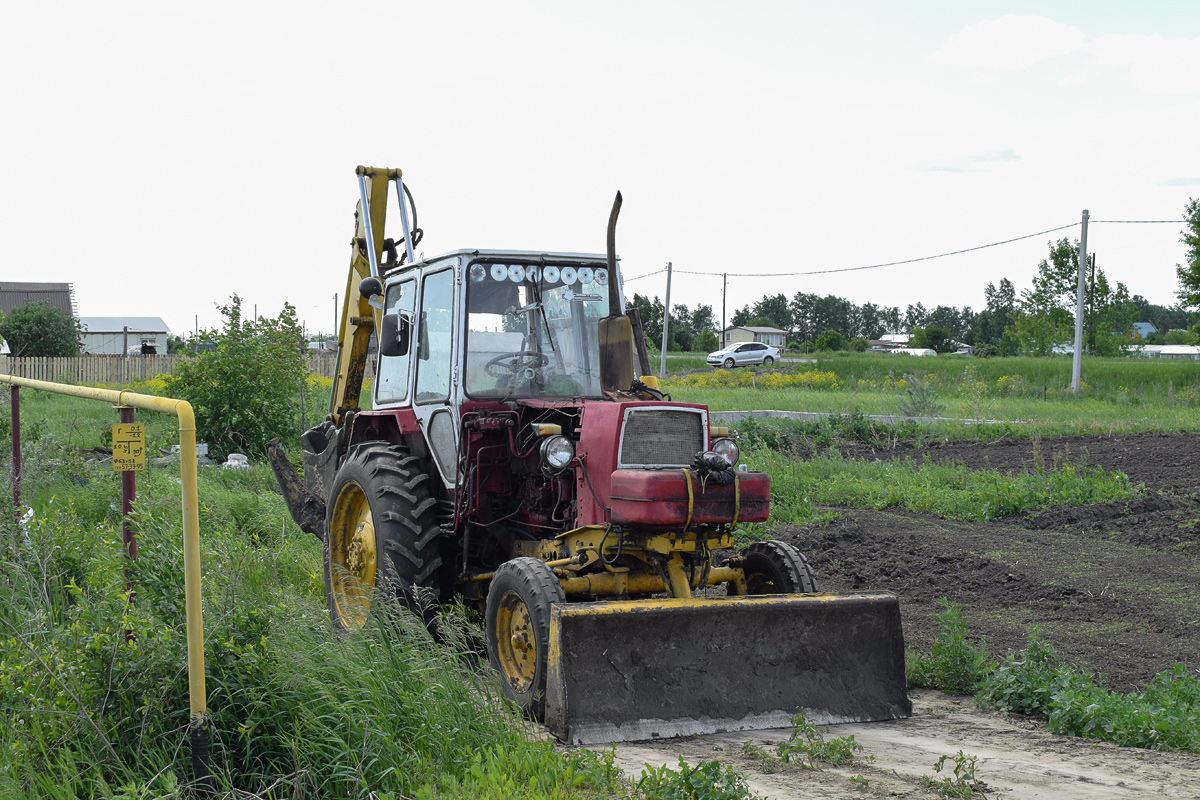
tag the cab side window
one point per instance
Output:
(392, 385)
(434, 335)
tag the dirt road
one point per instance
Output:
(1015, 758)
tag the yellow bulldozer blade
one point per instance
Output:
(625, 671)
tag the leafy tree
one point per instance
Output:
(933, 337)
(868, 321)
(175, 344)
(859, 344)
(916, 316)
(1165, 318)
(652, 318)
(775, 307)
(246, 390)
(706, 342)
(831, 340)
(833, 313)
(39, 330)
(703, 319)
(1037, 333)
(762, 322)
(1057, 279)
(1179, 337)
(1189, 272)
(801, 307)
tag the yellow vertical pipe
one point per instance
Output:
(191, 561)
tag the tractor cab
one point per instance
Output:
(526, 327)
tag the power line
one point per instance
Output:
(915, 260)
(647, 275)
(892, 263)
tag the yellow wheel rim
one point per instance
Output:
(352, 557)
(516, 643)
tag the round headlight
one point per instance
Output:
(726, 449)
(557, 452)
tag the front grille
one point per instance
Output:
(654, 437)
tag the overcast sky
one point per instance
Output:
(162, 157)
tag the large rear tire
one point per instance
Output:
(381, 537)
(774, 567)
(518, 630)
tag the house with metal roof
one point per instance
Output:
(741, 333)
(124, 335)
(16, 293)
(1145, 329)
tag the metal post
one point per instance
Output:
(366, 212)
(1077, 359)
(724, 287)
(16, 452)
(125, 342)
(662, 367)
(128, 492)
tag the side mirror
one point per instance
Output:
(394, 335)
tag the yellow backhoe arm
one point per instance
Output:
(359, 319)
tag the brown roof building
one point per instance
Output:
(59, 295)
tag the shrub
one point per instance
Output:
(40, 329)
(705, 781)
(246, 390)
(831, 340)
(919, 400)
(954, 665)
(706, 342)
(1163, 716)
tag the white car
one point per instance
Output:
(740, 354)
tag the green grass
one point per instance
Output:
(1165, 715)
(1033, 395)
(85, 714)
(952, 491)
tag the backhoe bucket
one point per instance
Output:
(625, 671)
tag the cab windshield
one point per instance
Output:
(532, 329)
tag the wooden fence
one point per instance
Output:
(119, 370)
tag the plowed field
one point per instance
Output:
(1116, 587)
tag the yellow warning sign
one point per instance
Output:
(129, 447)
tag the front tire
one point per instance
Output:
(381, 537)
(518, 630)
(729, 363)
(775, 567)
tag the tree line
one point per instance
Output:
(1031, 322)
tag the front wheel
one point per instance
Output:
(729, 363)
(518, 630)
(775, 567)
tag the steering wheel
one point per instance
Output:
(515, 363)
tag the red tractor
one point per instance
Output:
(512, 458)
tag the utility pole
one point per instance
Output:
(335, 310)
(1077, 359)
(662, 367)
(724, 286)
